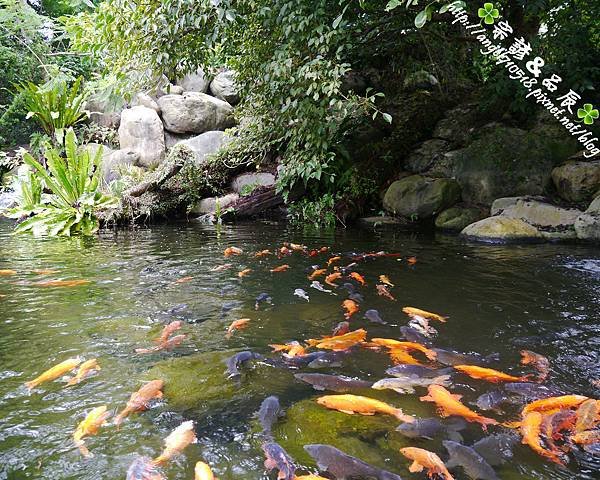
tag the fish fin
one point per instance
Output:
(426, 398)
(441, 380)
(319, 388)
(31, 385)
(350, 412)
(415, 467)
(159, 395)
(83, 449)
(452, 462)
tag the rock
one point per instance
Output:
(457, 218)
(175, 90)
(209, 205)
(577, 181)
(429, 152)
(172, 139)
(104, 113)
(142, 131)
(145, 100)
(594, 207)
(457, 125)
(500, 204)
(8, 200)
(383, 222)
(587, 226)
(205, 144)
(420, 80)
(194, 82)
(504, 161)
(421, 196)
(500, 229)
(223, 86)
(248, 181)
(115, 161)
(554, 223)
(108, 120)
(195, 112)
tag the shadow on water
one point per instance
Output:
(544, 298)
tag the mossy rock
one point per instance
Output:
(502, 229)
(456, 218)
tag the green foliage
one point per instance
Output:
(94, 133)
(14, 128)
(75, 200)
(315, 213)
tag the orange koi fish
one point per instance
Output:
(531, 430)
(168, 330)
(203, 472)
(329, 279)
(166, 345)
(341, 329)
(292, 349)
(297, 248)
(428, 460)
(90, 426)
(220, 268)
(554, 404)
(351, 308)
(448, 404)
(340, 342)
(244, 272)
(86, 369)
(333, 260)
(359, 278)
(385, 280)
(351, 404)
(541, 363)
(176, 442)
(62, 283)
(309, 477)
(317, 273)
(417, 312)
(8, 272)
(140, 400)
(280, 268)
(184, 280)
(384, 292)
(587, 437)
(236, 325)
(44, 272)
(407, 346)
(262, 253)
(284, 251)
(55, 372)
(229, 251)
(489, 374)
(588, 415)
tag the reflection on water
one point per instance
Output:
(499, 299)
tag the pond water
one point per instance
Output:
(499, 299)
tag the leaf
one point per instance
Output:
(387, 117)
(338, 20)
(421, 19)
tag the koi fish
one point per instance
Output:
(236, 325)
(297, 247)
(262, 298)
(168, 330)
(309, 477)
(531, 430)
(292, 349)
(62, 283)
(166, 345)
(230, 251)
(317, 286)
(406, 384)
(244, 272)
(90, 426)
(278, 458)
(86, 369)
(411, 260)
(140, 400)
(44, 272)
(333, 260)
(203, 472)
(220, 268)
(340, 342)
(417, 312)
(382, 291)
(588, 415)
(430, 428)
(489, 374)
(449, 404)
(421, 325)
(474, 465)
(425, 459)
(586, 438)
(55, 372)
(262, 253)
(317, 273)
(8, 272)
(359, 278)
(385, 280)
(239, 359)
(541, 363)
(351, 308)
(284, 251)
(176, 442)
(184, 280)
(280, 268)
(335, 383)
(408, 346)
(268, 413)
(142, 468)
(302, 294)
(373, 316)
(341, 329)
(352, 404)
(554, 403)
(330, 279)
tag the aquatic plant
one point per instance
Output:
(75, 200)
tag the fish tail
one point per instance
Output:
(400, 415)
(83, 449)
(31, 385)
(144, 350)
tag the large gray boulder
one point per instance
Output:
(209, 205)
(577, 181)
(103, 113)
(223, 87)
(243, 182)
(142, 131)
(454, 219)
(502, 229)
(587, 225)
(145, 100)
(205, 144)
(457, 125)
(421, 196)
(195, 112)
(426, 155)
(114, 162)
(194, 82)
(172, 139)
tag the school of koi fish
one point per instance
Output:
(551, 423)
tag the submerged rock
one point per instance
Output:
(421, 196)
(142, 131)
(500, 229)
(195, 112)
(457, 218)
(577, 181)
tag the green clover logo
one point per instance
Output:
(588, 113)
(488, 13)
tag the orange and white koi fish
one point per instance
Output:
(8, 272)
(340, 342)
(184, 280)
(384, 292)
(90, 426)
(236, 325)
(229, 251)
(417, 312)
(62, 283)
(176, 442)
(262, 253)
(166, 345)
(363, 405)
(359, 278)
(243, 273)
(220, 268)
(86, 369)
(330, 279)
(317, 273)
(449, 404)
(203, 472)
(280, 268)
(489, 374)
(333, 260)
(168, 330)
(297, 247)
(351, 308)
(140, 400)
(531, 431)
(540, 363)
(385, 280)
(425, 459)
(554, 404)
(55, 372)
(292, 349)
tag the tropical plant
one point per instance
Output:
(75, 199)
